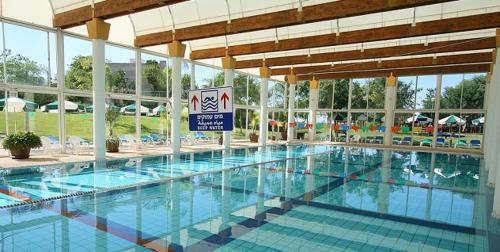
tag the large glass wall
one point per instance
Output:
(30, 79)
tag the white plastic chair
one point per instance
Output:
(78, 144)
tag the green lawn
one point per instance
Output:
(45, 124)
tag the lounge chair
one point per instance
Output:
(396, 140)
(406, 141)
(440, 142)
(378, 140)
(78, 144)
(146, 139)
(48, 145)
(187, 139)
(200, 136)
(355, 139)
(426, 142)
(461, 143)
(128, 140)
(475, 144)
(369, 139)
(156, 138)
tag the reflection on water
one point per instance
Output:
(332, 198)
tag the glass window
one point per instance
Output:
(426, 91)
(241, 125)
(185, 81)
(341, 95)
(204, 76)
(376, 93)
(405, 93)
(28, 60)
(326, 93)
(323, 126)
(30, 112)
(240, 88)
(279, 95)
(155, 125)
(79, 124)
(462, 130)
(302, 95)
(77, 63)
(359, 93)
(253, 91)
(270, 94)
(218, 77)
(125, 124)
(473, 91)
(154, 75)
(120, 70)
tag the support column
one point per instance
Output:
(292, 81)
(437, 106)
(492, 158)
(265, 73)
(228, 63)
(138, 92)
(390, 104)
(98, 31)
(492, 123)
(60, 87)
(313, 106)
(176, 51)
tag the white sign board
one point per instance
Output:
(211, 109)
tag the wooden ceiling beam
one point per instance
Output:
(453, 69)
(105, 10)
(459, 24)
(309, 14)
(375, 53)
(485, 57)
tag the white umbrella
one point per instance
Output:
(452, 120)
(478, 121)
(130, 110)
(16, 104)
(417, 117)
(53, 106)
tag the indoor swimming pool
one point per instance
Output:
(281, 198)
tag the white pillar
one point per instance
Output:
(228, 63)
(138, 92)
(292, 81)
(265, 73)
(492, 157)
(60, 86)
(176, 51)
(98, 31)
(390, 105)
(313, 106)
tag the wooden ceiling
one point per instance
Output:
(375, 53)
(309, 14)
(459, 24)
(379, 59)
(106, 9)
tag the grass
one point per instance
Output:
(45, 124)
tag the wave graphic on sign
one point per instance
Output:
(209, 103)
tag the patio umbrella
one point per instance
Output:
(452, 119)
(418, 118)
(90, 109)
(16, 104)
(53, 106)
(130, 109)
(478, 121)
(159, 109)
(338, 118)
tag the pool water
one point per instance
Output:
(295, 198)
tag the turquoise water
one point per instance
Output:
(300, 198)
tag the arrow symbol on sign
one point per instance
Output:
(224, 99)
(194, 100)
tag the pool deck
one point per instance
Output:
(38, 158)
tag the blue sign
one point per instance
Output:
(211, 109)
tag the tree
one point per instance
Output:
(155, 76)
(468, 94)
(406, 95)
(79, 74)
(23, 70)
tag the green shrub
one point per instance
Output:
(112, 140)
(22, 140)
